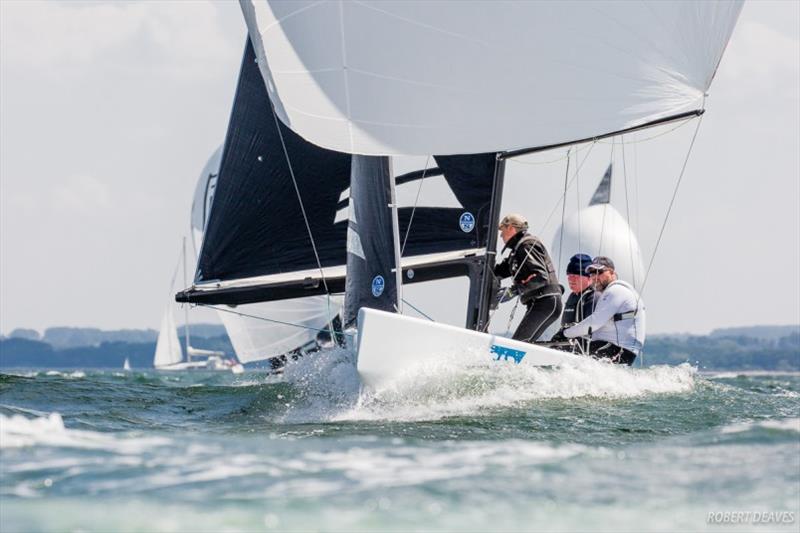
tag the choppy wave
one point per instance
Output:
(788, 425)
(18, 431)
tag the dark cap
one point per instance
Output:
(600, 263)
(578, 263)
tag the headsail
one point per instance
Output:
(168, 348)
(374, 77)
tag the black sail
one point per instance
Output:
(257, 246)
(602, 195)
(256, 226)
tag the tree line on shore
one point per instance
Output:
(707, 352)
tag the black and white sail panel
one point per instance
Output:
(257, 225)
(256, 245)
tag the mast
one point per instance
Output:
(480, 313)
(398, 269)
(371, 235)
(185, 307)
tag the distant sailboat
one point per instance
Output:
(170, 356)
(126, 365)
(599, 229)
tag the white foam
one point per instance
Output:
(462, 384)
(18, 431)
(784, 424)
(71, 375)
(449, 390)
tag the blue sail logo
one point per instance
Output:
(378, 284)
(466, 222)
(507, 353)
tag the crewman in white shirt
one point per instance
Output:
(616, 328)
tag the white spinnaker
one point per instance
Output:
(599, 230)
(412, 77)
(168, 348)
(256, 339)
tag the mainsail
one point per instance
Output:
(254, 338)
(257, 246)
(431, 77)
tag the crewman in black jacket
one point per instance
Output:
(534, 278)
(580, 302)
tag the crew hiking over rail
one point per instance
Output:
(616, 328)
(533, 278)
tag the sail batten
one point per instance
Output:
(483, 76)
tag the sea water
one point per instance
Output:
(487, 447)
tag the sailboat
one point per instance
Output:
(126, 365)
(170, 356)
(470, 88)
(600, 229)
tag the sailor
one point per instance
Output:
(616, 328)
(580, 302)
(533, 276)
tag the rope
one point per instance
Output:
(331, 331)
(628, 213)
(414, 209)
(563, 214)
(564, 196)
(578, 197)
(418, 310)
(305, 217)
(669, 209)
(511, 317)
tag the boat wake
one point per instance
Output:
(465, 384)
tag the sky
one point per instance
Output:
(109, 111)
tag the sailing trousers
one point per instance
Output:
(616, 354)
(541, 312)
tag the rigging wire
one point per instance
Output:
(414, 209)
(330, 330)
(578, 197)
(417, 309)
(563, 214)
(564, 196)
(669, 209)
(305, 217)
(628, 214)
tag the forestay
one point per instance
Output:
(406, 77)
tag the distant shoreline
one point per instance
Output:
(753, 348)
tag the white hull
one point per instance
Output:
(390, 345)
(211, 364)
